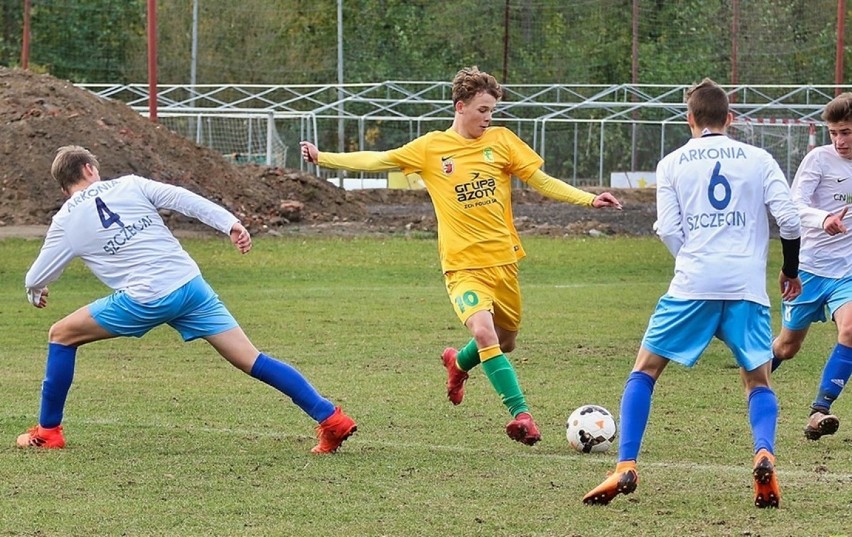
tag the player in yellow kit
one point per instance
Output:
(468, 171)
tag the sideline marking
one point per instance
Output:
(716, 468)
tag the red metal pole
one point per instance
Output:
(634, 61)
(634, 77)
(838, 60)
(25, 43)
(152, 60)
(735, 31)
(506, 43)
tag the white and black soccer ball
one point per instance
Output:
(590, 429)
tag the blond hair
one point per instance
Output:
(68, 164)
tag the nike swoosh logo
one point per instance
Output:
(839, 180)
(444, 159)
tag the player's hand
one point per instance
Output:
(241, 238)
(38, 298)
(605, 199)
(790, 287)
(310, 153)
(833, 223)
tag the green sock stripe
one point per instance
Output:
(502, 376)
(468, 357)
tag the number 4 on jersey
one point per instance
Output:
(107, 217)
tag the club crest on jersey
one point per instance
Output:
(488, 153)
(447, 165)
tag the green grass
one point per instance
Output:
(166, 438)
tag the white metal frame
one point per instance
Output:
(423, 103)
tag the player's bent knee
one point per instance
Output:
(844, 335)
(59, 333)
(786, 351)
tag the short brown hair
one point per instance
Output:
(470, 81)
(708, 104)
(68, 164)
(839, 109)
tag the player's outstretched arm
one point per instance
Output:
(54, 256)
(561, 191)
(363, 161)
(241, 238)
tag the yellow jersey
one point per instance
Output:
(470, 183)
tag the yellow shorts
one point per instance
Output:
(494, 289)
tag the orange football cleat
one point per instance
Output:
(622, 481)
(333, 431)
(766, 490)
(39, 437)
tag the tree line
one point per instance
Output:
(520, 41)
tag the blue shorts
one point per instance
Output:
(194, 310)
(680, 330)
(818, 293)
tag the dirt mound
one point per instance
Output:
(39, 113)
(411, 210)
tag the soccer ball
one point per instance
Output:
(590, 428)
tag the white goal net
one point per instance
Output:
(788, 140)
(241, 138)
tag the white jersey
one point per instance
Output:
(823, 185)
(712, 199)
(115, 229)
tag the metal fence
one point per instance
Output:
(586, 133)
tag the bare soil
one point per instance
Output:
(39, 113)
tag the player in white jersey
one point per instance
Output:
(822, 191)
(712, 199)
(114, 227)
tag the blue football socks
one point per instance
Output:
(635, 409)
(293, 384)
(763, 416)
(835, 375)
(58, 375)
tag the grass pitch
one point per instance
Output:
(166, 438)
